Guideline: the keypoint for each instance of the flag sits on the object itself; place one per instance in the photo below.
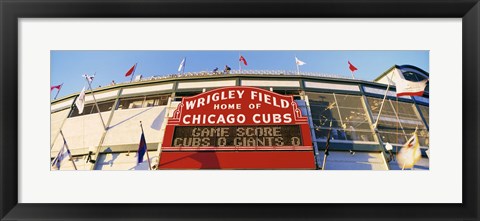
(142, 149)
(242, 59)
(62, 154)
(56, 87)
(410, 88)
(298, 62)
(410, 153)
(88, 77)
(80, 102)
(182, 65)
(351, 67)
(132, 69)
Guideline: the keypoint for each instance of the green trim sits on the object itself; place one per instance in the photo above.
(319, 90)
(133, 148)
(350, 146)
(385, 73)
(151, 93)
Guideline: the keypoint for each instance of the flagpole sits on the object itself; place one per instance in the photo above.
(381, 107)
(296, 63)
(326, 147)
(239, 63)
(148, 157)
(353, 75)
(58, 91)
(383, 101)
(184, 64)
(324, 160)
(134, 69)
(68, 149)
(95, 100)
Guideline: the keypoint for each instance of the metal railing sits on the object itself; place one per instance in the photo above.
(242, 72)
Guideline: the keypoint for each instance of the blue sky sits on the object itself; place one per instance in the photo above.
(67, 67)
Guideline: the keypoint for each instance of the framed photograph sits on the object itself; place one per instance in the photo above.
(239, 110)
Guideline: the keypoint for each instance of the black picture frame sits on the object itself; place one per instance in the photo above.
(11, 11)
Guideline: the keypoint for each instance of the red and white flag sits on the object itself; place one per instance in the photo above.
(132, 69)
(242, 59)
(58, 87)
(410, 88)
(351, 67)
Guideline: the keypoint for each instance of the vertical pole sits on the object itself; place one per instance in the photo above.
(353, 75)
(239, 63)
(146, 151)
(68, 149)
(366, 106)
(58, 91)
(312, 130)
(95, 100)
(338, 109)
(381, 107)
(326, 147)
(184, 64)
(383, 101)
(100, 143)
(324, 161)
(296, 63)
(398, 120)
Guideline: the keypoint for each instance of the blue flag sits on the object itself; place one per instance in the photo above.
(62, 154)
(142, 149)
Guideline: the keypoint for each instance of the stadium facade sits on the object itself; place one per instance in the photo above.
(327, 104)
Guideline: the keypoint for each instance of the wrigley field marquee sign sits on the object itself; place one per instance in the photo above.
(247, 120)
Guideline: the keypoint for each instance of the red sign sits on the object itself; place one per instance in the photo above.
(245, 119)
(237, 106)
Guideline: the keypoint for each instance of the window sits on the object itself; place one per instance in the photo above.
(103, 106)
(179, 95)
(425, 113)
(87, 109)
(398, 121)
(294, 93)
(91, 108)
(287, 92)
(346, 113)
(143, 101)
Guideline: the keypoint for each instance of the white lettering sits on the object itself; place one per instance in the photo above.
(190, 104)
(185, 121)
